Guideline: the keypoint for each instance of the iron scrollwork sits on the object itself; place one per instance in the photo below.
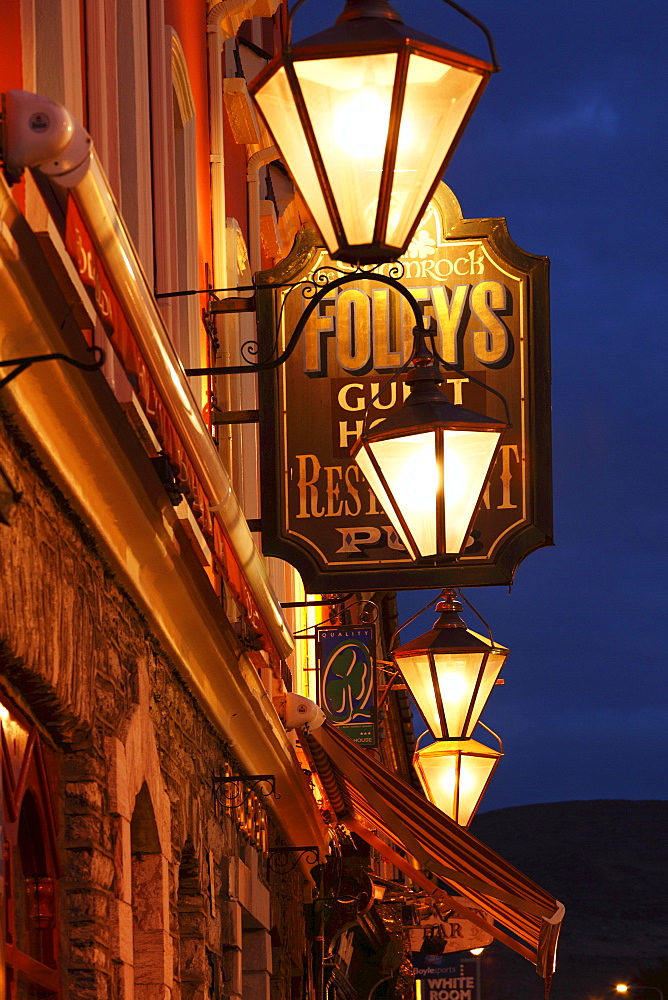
(20, 365)
(313, 290)
(283, 860)
(234, 790)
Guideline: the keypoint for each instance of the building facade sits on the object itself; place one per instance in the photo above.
(142, 642)
(167, 830)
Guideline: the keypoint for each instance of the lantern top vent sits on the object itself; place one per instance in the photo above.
(364, 22)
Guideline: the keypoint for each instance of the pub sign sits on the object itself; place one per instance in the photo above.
(434, 936)
(489, 300)
(347, 680)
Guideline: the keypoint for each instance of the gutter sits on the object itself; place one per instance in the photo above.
(64, 153)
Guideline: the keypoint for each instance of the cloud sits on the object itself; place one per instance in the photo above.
(592, 114)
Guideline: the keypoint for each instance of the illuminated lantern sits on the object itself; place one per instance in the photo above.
(450, 671)
(366, 116)
(454, 775)
(428, 463)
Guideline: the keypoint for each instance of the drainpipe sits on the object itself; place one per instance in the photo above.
(257, 160)
(217, 155)
(215, 41)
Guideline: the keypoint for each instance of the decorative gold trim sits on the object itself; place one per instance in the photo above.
(228, 15)
(181, 81)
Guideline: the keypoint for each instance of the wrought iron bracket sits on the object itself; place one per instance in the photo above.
(332, 601)
(236, 417)
(242, 786)
(280, 862)
(21, 364)
(315, 290)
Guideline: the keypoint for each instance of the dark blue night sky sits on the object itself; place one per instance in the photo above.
(570, 144)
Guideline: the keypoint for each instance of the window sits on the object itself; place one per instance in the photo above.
(31, 868)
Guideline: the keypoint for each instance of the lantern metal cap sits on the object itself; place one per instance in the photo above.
(449, 608)
(356, 9)
(427, 407)
(365, 22)
(457, 637)
(450, 747)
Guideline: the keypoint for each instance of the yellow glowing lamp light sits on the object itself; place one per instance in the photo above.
(428, 463)
(454, 775)
(367, 115)
(450, 671)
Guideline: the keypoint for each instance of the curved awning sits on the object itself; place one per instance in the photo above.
(376, 804)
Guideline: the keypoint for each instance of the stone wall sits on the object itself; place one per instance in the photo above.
(162, 892)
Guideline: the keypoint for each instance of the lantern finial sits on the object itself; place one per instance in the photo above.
(368, 8)
(449, 608)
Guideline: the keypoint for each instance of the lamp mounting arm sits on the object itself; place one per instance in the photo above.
(476, 612)
(314, 298)
(432, 600)
(492, 733)
(19, 365)
(425, 360)
(321, 285)
(485, 30)
(472, 378)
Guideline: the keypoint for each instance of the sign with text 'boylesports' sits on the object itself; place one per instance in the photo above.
(489, 300)
(447, 977)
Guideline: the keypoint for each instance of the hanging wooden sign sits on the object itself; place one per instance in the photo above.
(438, 937)
(489, 300)
(347, 679)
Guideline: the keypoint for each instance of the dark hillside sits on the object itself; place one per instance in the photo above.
(607, 861)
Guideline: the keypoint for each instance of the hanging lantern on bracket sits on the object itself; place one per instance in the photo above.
(450, 671)
(366, 115)
(455, 774)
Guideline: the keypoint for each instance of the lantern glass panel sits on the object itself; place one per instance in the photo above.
(349, 102)
(457, 674)
(454, 775)
(412, 474)
(277, 104)
(467, 456)
(417, 674)
(439, 780)
(495, 659)
(368, 469)
(437, 98)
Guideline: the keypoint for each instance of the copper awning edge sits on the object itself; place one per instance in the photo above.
(426, 883)
(548, 939)
(543, 955)
(416, 849)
